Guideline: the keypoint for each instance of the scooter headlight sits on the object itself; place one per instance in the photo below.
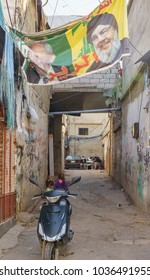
(53, 199)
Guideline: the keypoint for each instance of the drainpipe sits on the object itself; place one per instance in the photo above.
(107, 110)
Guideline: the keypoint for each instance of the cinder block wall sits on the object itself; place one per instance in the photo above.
(100, 81)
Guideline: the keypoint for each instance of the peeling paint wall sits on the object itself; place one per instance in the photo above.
(116, 145)
(105, 147)
(87, 145)
(32, 147)
(58, 142)
(136, 152)
(136, 109)
(133, 168)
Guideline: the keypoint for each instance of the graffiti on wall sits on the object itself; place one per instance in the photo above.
(147, 158)
(30, 156)
(140, 186)
(143, 149)
(137, 168)
(129, 161)
(19, 154)
(143, 152)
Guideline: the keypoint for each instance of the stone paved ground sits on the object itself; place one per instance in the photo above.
(106, 225)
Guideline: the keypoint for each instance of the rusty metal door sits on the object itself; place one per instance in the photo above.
(7, 172)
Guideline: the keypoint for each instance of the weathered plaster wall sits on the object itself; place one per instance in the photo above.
(105, 147)
(23, 15)
(58, 137)
(31, 146)
(135, 154)
(31, 139)
(130, 157)
(78, 144)
(116, 145)
(116, 155)
(139, 26)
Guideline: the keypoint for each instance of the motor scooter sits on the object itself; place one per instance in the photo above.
(53, 227)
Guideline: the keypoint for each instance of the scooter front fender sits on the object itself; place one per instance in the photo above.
(53, 222)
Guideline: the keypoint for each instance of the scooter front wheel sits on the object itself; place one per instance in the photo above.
(49, 251)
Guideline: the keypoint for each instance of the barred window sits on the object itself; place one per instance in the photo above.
(83, 131)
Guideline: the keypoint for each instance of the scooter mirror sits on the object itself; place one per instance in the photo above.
(75, 180)
(33, 180)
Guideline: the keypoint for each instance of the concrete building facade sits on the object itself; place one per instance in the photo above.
(131, 139)
(124, 144)
(23, 149)
(85, 134)
(96, 91)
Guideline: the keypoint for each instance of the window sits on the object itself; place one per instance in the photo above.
(83, 131)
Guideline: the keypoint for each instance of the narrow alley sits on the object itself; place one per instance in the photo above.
(75, 89)
(105, 222)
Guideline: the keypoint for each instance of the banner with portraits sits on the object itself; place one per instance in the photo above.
(93, 43)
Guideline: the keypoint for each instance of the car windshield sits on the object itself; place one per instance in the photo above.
(74, 158)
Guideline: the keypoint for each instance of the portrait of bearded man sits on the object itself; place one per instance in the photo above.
(102, 33)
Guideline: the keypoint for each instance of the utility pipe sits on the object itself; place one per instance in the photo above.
(85, 111)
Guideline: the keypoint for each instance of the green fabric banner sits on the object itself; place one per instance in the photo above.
(88, 45)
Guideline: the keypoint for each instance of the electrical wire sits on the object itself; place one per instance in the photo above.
(24, 20)
(82, 7)
(60, 18)
(45, 3)
(70, 96)
(54, 11)
(80, 142)
(9, 14)
(96, 127)
(74, 137)
(68, 7)
(135, 48)
(15, 12)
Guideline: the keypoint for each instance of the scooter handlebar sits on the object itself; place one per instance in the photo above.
(35, 197)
